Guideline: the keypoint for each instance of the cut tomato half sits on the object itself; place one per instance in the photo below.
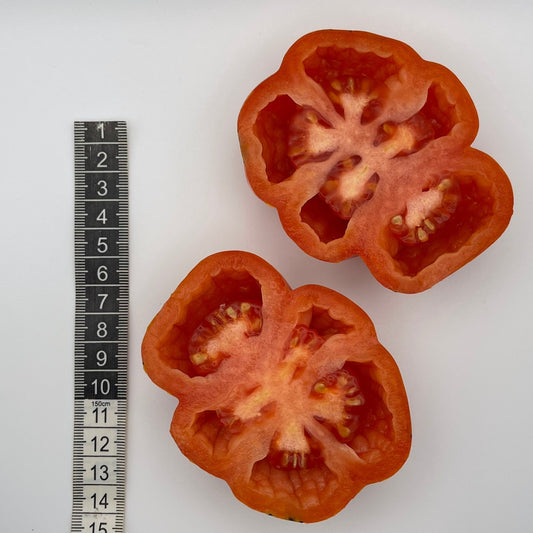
(285, 394)
(352, 140)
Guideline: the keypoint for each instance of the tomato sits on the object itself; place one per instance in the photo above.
(285, 394)
(364, 149)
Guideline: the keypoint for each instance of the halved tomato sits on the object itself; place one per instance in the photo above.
(364, 149)
(285, 394)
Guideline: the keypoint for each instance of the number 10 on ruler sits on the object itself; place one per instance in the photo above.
(101, 260)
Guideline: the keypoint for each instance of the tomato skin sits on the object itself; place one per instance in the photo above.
(298, 416)
(372, 103)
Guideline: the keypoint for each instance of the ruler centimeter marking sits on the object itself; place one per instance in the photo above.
(101, 326)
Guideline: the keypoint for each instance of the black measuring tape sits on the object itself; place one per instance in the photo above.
(101, 326)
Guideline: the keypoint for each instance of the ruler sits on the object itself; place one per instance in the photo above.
(101, 326)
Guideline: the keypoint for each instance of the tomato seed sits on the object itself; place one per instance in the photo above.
(199, 358)
(320, 388)
(343, 431)
(336, 84)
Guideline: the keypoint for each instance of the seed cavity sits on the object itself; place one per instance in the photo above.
(426, 213)
(309, 138)
(339, 398)
(301, 453)
(293, 460)
(304, 337)
(211, 342)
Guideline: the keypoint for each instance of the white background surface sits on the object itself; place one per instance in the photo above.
(178, 73)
